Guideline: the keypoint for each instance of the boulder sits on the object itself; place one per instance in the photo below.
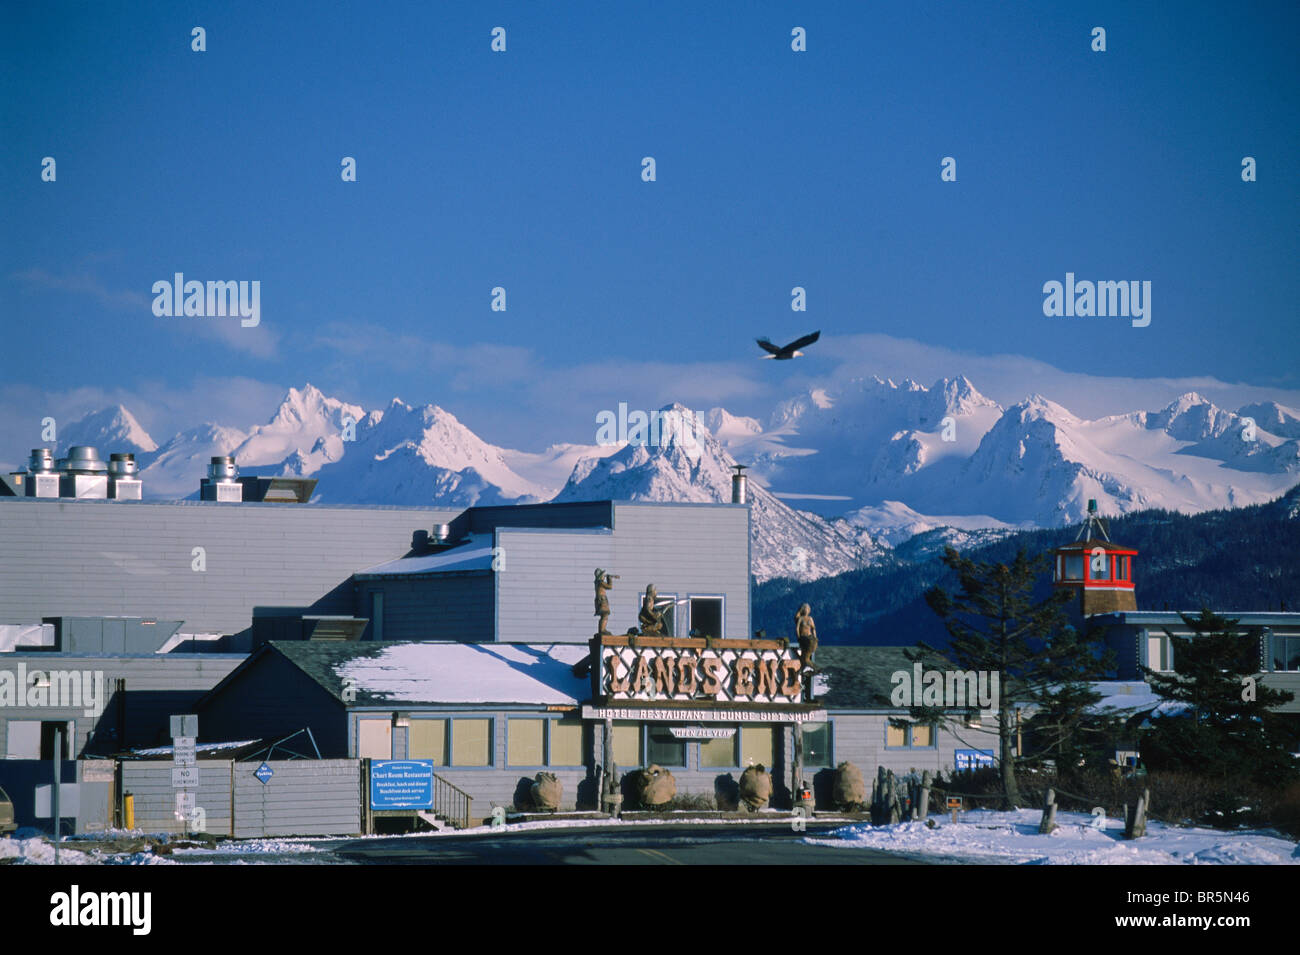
(756, 788)
(850, 792)
(655, 786)
(547, 791)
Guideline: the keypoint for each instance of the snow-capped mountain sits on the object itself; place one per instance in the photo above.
(112, 427)
(175, 470)
(883, 464)
(1042, 464)
(689, 464)
(869, 440)
(304, 435)
(948, 450)
(420, 455)
(893, 522)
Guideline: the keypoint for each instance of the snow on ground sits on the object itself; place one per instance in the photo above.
(28, 847)
(986, 836)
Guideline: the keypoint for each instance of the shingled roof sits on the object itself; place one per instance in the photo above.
(860, 678)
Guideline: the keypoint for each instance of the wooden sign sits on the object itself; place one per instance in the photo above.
(724, 671)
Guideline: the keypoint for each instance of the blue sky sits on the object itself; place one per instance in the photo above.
(523, 170)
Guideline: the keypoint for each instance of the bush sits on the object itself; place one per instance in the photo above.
(693, 802)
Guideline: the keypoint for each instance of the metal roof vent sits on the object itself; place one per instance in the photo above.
(739, 485)
(222, 483)
(82, 459)
(82, 474)
(122, 465)
(41, 461)
(40, 480)
(223, 469)
(124, 482)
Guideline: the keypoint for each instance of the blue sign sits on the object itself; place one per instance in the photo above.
(401, 784)
(264, 773)
(974, 759)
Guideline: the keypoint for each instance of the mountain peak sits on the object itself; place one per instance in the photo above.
(110, 429)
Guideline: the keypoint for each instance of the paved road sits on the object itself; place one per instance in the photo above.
(660, 845)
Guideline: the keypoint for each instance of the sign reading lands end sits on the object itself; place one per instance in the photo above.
(401, 783)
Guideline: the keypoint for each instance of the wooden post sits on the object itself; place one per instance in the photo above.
(923, 808)
(58, 785)
(1135, 819)
(796, 785)
(610, 795)
(895, 812)
(1049, 813)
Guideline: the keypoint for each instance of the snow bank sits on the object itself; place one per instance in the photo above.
(1012, 837)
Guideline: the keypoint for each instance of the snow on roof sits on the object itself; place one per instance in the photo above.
(474, 554)
(1130, 697)
(469, 673)
(200, 748)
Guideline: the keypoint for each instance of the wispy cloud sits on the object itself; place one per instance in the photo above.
(82, 282)
(261, 341)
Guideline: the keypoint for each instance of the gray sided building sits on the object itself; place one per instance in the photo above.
(510, 574)
(491, 717)
(1141, 639)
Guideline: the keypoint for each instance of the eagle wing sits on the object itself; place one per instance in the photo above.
(801, 342)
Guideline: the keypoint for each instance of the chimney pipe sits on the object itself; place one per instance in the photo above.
(739, 485)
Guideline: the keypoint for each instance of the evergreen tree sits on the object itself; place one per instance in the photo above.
(1228, 728)
(994, 624)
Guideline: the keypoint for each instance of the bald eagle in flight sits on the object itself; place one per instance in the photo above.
(786, 352)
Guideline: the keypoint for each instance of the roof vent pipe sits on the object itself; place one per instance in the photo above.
(223, 469)
(41, 461)
(739, 485)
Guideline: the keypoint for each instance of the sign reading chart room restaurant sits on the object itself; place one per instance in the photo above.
(730, 671)
(401, 783)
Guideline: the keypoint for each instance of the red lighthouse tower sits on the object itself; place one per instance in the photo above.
(1100, 570)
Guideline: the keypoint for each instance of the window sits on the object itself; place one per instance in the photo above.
(1159, 654)
(568, 743)
(757, 745)
(526, 742)
(816, 744)
(471, 742)
(1122, 568)
(666, 604)
(627, 744)
(34, 739)
(706, 616)
(1099, 567)
(375, 739)
(1074, 567)
(428, 740)
(1286, 652)
(909, 736)
(377, 615)
(718, 753)
(663, 748)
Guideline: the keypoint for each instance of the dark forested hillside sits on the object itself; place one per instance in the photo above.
(1245, 559)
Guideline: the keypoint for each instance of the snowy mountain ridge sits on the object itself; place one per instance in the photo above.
(877, 463)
